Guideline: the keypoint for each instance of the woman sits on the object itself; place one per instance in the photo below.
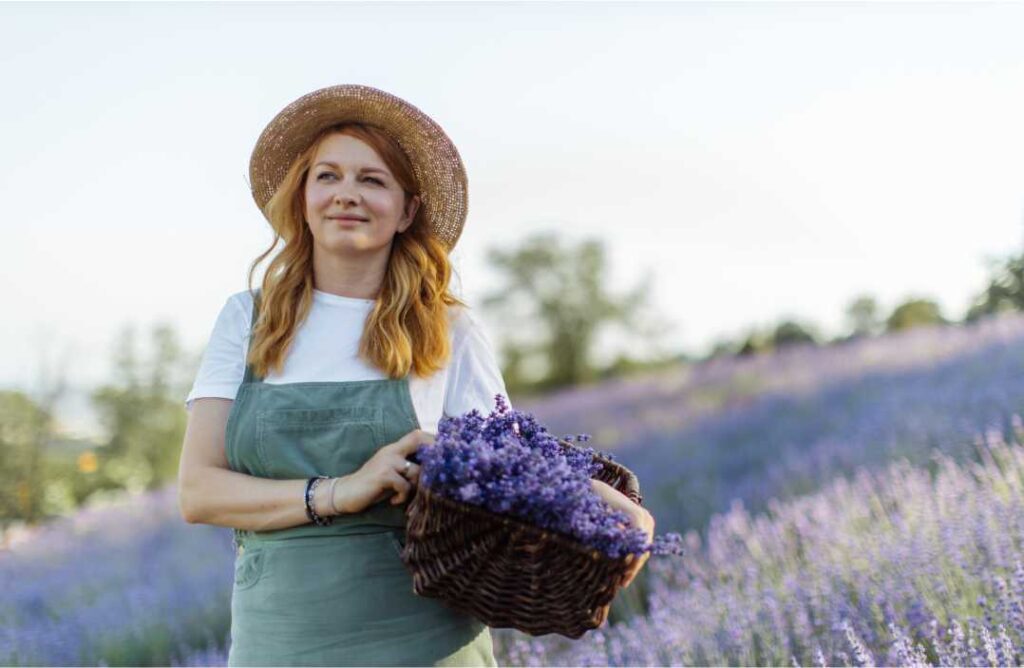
(315, 389)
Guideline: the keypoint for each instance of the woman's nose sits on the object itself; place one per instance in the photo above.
(345, 193)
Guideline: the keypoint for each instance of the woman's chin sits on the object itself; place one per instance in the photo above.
(347, 244)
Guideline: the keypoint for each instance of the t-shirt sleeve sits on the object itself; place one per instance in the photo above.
(474, 377)
(223, 363)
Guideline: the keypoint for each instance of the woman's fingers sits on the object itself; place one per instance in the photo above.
(630, 574)
(401, 487)
(635, 564)
(643, 520)
(412, 474)
(412, 441)
(627, 577)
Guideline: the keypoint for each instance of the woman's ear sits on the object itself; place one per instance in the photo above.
(411, 208)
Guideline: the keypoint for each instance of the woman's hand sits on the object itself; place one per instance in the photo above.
(381, 475)
(638, 517)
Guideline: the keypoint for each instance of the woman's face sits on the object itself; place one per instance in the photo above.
(348, 178)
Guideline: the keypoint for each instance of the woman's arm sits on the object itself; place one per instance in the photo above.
(209, 492)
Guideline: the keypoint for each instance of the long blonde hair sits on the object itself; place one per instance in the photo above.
(407, 330)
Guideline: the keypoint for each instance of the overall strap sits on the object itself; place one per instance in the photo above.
(251, 377)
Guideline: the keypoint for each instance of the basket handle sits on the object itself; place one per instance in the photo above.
(631, 486)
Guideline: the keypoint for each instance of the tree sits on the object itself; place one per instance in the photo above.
(1005, 291)
(754, 343)
(862, 316)
(24, 427)
(789, 332)
(562, 291)
(142, 411)
(914, 312)
(757, 340)
(27, 430)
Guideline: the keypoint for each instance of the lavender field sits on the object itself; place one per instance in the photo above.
(777, 426)
(847, 506)
(900, 568)
(128, 583)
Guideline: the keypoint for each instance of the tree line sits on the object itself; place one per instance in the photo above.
(554, 300)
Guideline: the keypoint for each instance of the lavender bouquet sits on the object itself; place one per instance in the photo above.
(509, 464)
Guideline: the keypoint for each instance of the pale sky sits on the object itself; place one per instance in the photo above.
(764, 160)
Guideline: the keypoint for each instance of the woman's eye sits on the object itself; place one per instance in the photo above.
(369, 178)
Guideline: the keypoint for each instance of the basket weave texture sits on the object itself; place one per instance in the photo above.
(508, 573)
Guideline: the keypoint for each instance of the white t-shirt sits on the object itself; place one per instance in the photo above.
(326, 347)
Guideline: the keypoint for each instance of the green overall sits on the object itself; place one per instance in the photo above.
(335, 595)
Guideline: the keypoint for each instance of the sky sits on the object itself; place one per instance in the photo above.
(762, 160)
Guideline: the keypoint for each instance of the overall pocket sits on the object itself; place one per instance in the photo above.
(300, 443)
(248, 568)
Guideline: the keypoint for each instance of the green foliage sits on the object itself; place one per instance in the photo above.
(915, 312)
(1005, 291)
(756, 342)
(44, 473)
(24, 427)
(789, 332)
(142, 412)
(862, 316)
(561, 293)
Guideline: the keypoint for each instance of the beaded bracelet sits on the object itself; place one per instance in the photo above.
(305, 496)
(310, 511)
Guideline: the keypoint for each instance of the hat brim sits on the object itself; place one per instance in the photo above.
(435, 160)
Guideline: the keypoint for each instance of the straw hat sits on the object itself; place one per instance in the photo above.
(435, 161)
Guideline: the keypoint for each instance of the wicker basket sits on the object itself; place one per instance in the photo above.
(508, 573)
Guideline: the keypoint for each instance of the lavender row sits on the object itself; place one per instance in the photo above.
(776, 426)
(126, 583)
(892, 568)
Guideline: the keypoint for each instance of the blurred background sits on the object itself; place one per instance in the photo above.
(768, 254)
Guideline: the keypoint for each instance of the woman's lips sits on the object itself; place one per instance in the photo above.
(347, 222)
